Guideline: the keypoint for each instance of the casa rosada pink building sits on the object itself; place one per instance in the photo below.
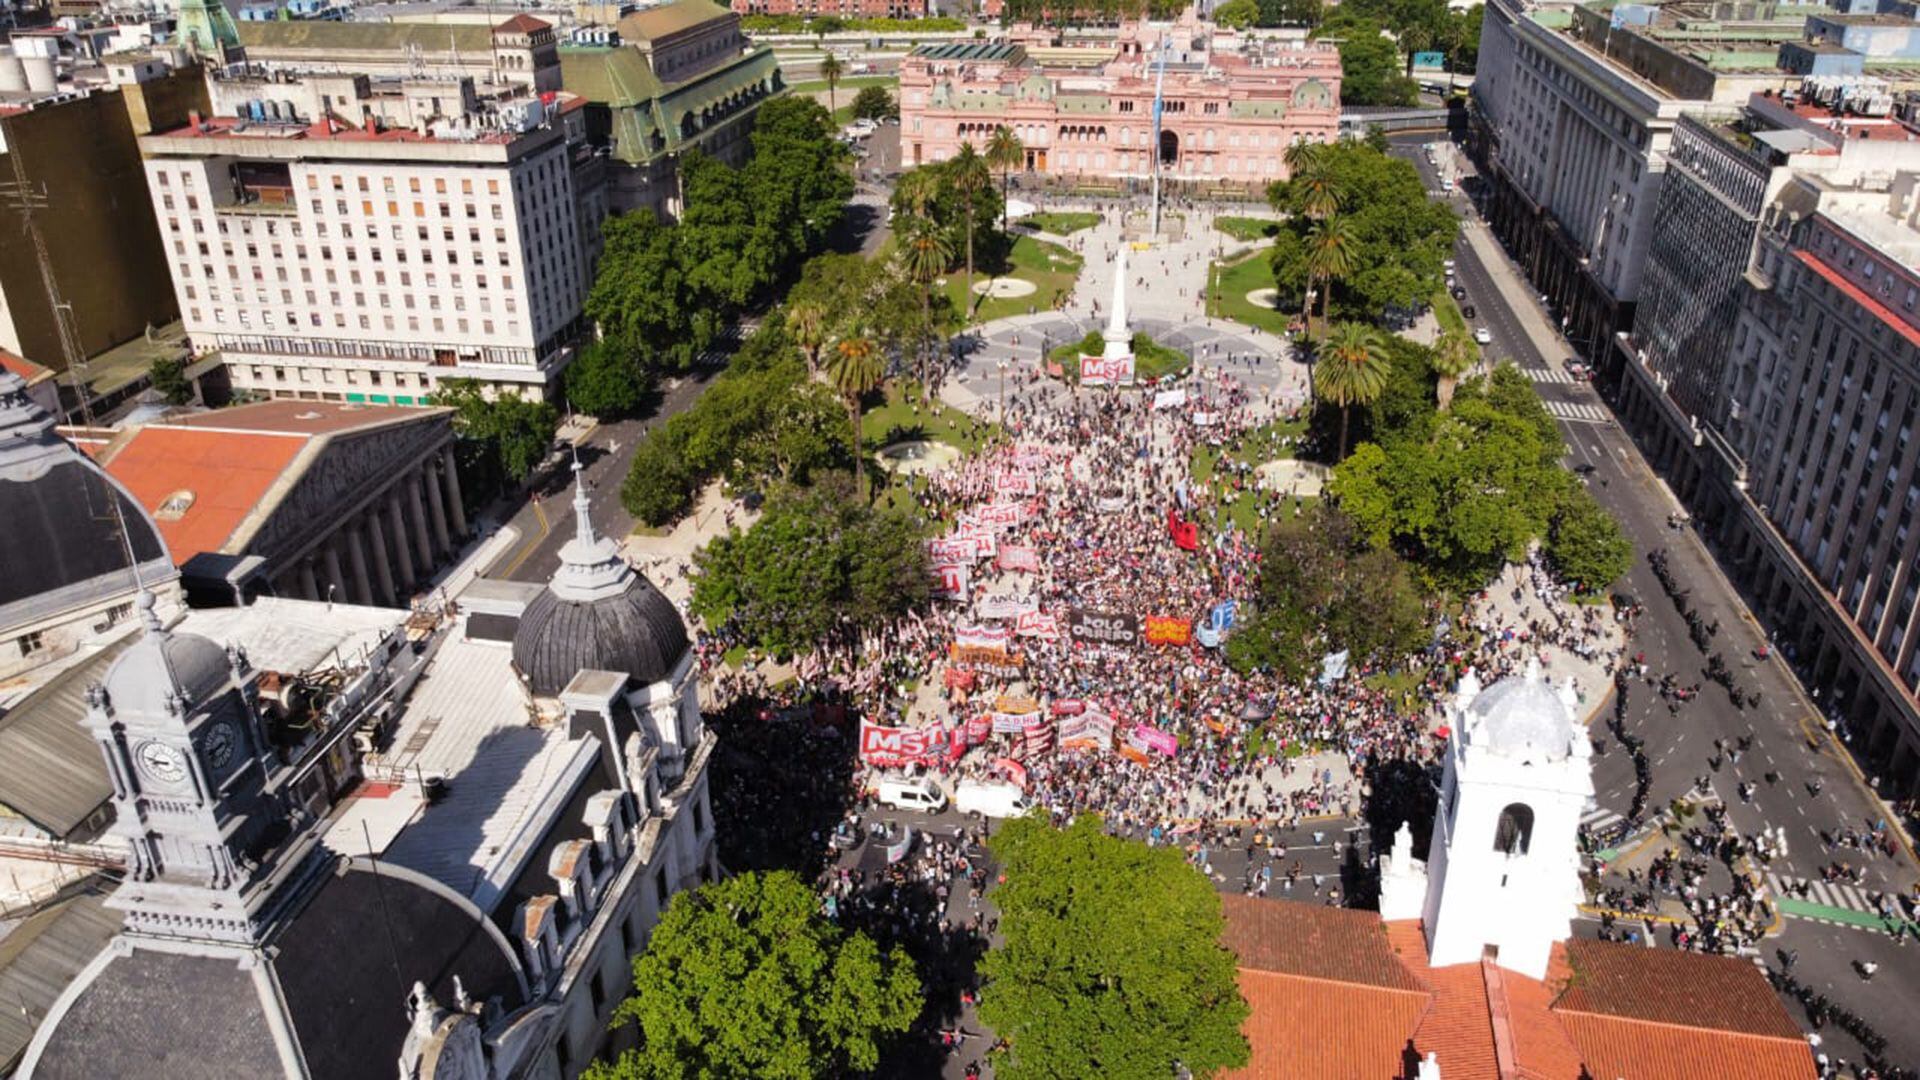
(1233, 103)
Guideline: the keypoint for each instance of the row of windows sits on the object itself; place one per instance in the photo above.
(243, 319)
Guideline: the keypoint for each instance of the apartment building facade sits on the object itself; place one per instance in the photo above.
(342, 238)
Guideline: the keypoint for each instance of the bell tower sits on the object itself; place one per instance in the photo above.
(194, 786)
(1503, 867)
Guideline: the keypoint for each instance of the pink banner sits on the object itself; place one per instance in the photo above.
(1002, 515)
(982, 637)
(1036, 625)
(952, 549)
(1013, 482)
(1152, 738)
(1021, 558)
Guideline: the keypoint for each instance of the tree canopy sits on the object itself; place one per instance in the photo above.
(1111, 963)
(1398, 239)
(505, 437)
(1370, 64)
(665, 290)
(940, 193)
(818, 564)
(606, 381)
(874, 103)
(743, 978)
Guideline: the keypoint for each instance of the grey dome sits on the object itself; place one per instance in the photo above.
(596, 613)
(1522, 714)
(636, 631)
(62, 548)
(159, 664)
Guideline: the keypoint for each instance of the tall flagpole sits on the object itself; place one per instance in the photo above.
(1159, 85)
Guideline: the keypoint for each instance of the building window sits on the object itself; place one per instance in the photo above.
(36, 641)
(1515, 831)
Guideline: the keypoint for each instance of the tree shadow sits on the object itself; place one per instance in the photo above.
(782, 779)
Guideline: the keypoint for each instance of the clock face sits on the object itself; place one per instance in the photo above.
(219, 745)
(161, 763)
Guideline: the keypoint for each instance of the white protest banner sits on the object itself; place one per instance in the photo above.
(982, 637)
(1204, 418)
(1013, 482)
(1100, 371)
(950, 581)
(1004, 606)
(1002, 515)
(1170, 399)
(1021, 558)
(985, 543)
(1088, 731)
(1034, 624)
(952, 549)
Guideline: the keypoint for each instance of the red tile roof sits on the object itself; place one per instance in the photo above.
(522, 23)
(23, 367)
(1326, 1003)
(287, 416)
(1859, 296)
(227, 473)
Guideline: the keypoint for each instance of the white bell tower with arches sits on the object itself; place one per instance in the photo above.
(1503, 868)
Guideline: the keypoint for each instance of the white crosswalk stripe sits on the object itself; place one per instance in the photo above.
(1831, 894)
(1547, 375)
(1578, 410)
(1596, 820)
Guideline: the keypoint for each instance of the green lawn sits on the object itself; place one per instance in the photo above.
(1256, 448)
(1151, 360)
(1246, 228)
(1064, 223)
(1448, 312)
(851, 83)
(895, 419)
(1233, 281)
(1051, 267)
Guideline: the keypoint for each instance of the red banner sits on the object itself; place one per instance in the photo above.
(1163, 630)
(950, 581)
(894, 746)
(1186, 534)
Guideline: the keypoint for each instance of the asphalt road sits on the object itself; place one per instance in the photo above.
(1787, 736)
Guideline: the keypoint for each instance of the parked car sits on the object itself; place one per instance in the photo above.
(1467, 311)
(1459, 292)
(1483, 335)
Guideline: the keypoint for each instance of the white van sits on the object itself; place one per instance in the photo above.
(911, 793)
(992, 800)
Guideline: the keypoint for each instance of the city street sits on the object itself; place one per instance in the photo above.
(1789, 740)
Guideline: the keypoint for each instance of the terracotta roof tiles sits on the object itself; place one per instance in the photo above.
(1671, 987)
(1314, 941)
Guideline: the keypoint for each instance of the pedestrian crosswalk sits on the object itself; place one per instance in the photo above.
(1548, 375)
(1578, 411)
(1829, 894)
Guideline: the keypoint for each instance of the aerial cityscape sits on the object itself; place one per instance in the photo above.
(958, 539)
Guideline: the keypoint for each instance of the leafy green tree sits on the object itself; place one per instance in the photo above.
(1350, 368)
(874, 103)
(1586, 545)
(1400, 237)
(517, 432)
(1111, 964)
(1369, 63)
(820, 563)
(1237, 14)
(605, 381)
(642, 300)
(744, 978)
(1290, 12)
(661, 482)
(938, 193)
(855, 372)
(169, 378)
(1006, 153)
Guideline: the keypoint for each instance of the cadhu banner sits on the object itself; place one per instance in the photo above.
(1103, 627)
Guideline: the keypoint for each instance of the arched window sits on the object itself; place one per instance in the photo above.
(1515, 831)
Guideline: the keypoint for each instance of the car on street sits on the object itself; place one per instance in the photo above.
(994, 800)
(1468, 311)
(911, 793)
(1483, 335)
(1459, 292)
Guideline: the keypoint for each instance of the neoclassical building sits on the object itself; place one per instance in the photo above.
(1232, 103)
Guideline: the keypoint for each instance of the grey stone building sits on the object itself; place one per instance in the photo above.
(470, 910)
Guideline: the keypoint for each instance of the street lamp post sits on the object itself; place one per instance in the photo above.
(1002, 366)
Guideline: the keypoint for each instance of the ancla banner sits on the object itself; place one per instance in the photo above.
(1004, 606)
(895, 746)
(1103, 627)
(1020, 558)
(1164, 630)
(1035, 625)
(1100, 371)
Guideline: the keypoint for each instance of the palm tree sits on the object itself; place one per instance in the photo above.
(1330, 254)
(969, 177)
(1350, 368)
(1298, 155)
(1454, 355)
(807, 322)
(831, 70)
(855, 372)
(1004, 152)
(925, 255)
(918, 190)
(1320, 193)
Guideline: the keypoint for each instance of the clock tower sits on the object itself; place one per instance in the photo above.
(195, 787)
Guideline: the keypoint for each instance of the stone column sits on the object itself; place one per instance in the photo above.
(309, 588)
(382, 568)
(436, 508)
(424, 544)
(330, 558)
(450, 480)
(357, 558)
(397, 532)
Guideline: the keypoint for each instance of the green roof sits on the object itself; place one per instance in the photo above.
(969, 50)
(614, 76)
(659, 22)
(647, 114)
(432, 39)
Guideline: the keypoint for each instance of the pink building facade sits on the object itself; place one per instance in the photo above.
(1232, 104)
